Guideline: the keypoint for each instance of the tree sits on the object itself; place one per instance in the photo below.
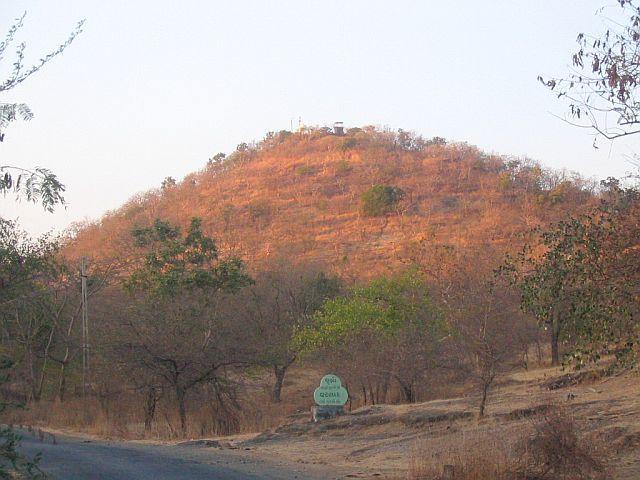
(484, 318)
(26, 265)
(217, 159)
(282, 301)
(380, 200)
(13, 464)
(168, 182)
(581, 278)
(602, 89)
(386, 330)
(27, 268)
(172, 329)
(36, 184)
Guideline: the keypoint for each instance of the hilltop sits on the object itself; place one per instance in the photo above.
(302, 193)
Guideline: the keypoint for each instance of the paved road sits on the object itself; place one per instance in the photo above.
(78, 459)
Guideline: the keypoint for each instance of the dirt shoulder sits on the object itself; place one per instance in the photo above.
(378, 441)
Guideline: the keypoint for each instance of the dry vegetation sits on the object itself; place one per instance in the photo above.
(300, 194)
(373, 255)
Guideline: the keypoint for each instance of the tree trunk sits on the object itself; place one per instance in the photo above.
(385, 388)
(150, 408)
(182, 409)
(33, 384)
(555, 333)
(408, 395)
(43, 369)
(62, 384)
(483, 400)
(277, 387)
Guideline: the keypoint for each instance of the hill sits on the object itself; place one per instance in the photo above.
(301, 194)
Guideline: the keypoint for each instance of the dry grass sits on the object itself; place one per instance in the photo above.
(470, 458)
(122, 416)
(550, 448)
(453, 197)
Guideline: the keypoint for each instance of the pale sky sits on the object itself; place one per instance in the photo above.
(154, 88)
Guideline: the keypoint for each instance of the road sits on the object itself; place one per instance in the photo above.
(80, 459)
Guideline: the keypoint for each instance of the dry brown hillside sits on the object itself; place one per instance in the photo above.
(300, 194)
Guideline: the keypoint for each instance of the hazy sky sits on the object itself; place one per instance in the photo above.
(154, 88)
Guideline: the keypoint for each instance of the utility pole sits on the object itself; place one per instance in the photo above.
(85, 327)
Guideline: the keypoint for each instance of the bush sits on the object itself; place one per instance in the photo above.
(305, 170)
(348, 144)
(557, 451)
(450, 203)
(259, 209)
(380, 200)
(553, 450)
(343, 167)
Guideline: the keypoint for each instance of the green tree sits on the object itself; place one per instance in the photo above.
(581, 278)
(380, 200)
(26, 268)
(390, 326)
(172, 329)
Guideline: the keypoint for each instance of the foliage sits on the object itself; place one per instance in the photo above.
(305, 170)
(259, 209)
(168, 182)
(13, 464)
(409, 141)
(383, 307)
(173, 336)
(343, 167)
(283, 300)
(557, 450)
(605, 79)
(13, 111)
(23, 261)
(37, 184)
(174, 262)
(217, 159)
(380, 200)
(583, 277)
(388, 329)
(436, 141)
(348, 144)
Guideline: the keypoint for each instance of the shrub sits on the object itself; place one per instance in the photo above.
(343, 167)
(450, 203)
(380, 200)
(258, 209)
(436, 141)
(227, 213)
(557, 451)
(348, 144)
(505, 182)
(551, 450)
(304, 170)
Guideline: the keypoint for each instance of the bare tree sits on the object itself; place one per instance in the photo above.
(602, 86)
(486, 321)
(283, 300)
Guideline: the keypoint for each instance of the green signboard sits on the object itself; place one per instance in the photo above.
(330, 392)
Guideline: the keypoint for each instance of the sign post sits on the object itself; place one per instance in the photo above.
(330, 398)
